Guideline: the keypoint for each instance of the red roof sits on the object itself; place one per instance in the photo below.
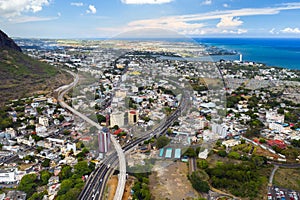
(278, 143)
(118, 131)
(133, 112)
(86, 138)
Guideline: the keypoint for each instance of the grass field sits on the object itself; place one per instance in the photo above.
(287, 178)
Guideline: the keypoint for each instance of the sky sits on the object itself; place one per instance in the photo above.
(109, 18)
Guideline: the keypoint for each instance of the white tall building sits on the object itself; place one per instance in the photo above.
(241, 57)
(117, 118)
(220, 129)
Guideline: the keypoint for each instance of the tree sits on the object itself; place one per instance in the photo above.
(202, 164)
(45, 175)
(115, 127)
(198, 184)
(61, 118)
(65, 186)
(81, 168)
(176, 123)
(234, 155)
(46, 163)
(222, 153)
(66, 172)
(38, 196)
(101, 118)
(162, 141)
(28, 184)
(190, 152)
(296, 143)
(66, 132)
(262, 140)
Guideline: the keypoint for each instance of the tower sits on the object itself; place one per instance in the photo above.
(133, 117)
(104, 141)
(241, 57)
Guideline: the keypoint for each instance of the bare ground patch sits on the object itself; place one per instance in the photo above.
(169, 181)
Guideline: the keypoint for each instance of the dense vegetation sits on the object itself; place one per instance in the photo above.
(140, 188)
(142, 172)
(162, 141)
(243, 180)
(197, 182)
(71, 182)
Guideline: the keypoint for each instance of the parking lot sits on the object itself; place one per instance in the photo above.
(277, 193)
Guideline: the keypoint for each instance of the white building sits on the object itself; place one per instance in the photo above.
(11, 131)
(22, 140)
(40, 129)
(117, 118)
(203, 154)
(44, 121)
(276, 126)
(220, 130)
(231, 143)
(8, 175)
(272, 116)
(71, 146)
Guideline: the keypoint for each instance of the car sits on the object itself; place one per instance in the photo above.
(269, 196)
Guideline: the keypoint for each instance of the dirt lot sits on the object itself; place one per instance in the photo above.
(169, 181)
(112, 186)
(287, 178)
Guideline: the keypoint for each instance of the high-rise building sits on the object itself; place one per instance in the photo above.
(133, 117)
(104, 141)
(241, 57)
(117, 118)
(220, 130)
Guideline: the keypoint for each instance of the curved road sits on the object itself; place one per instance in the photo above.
(122, 163)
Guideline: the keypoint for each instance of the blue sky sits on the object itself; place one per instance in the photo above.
(107, 18)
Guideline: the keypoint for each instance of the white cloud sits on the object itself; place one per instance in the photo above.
(272, 31)
(195, 23)
(13, 8)
(229, 21)
(225, 5)
(59, 14)
(207, 2)
(92, 9)
(238, 31)
(78, 4)
(146, 1)
(26, 19)
(291, 30)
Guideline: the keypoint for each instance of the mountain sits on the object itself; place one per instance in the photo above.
(7, 42)
(21, 75)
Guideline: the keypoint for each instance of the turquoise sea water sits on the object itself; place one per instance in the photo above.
(280, 52)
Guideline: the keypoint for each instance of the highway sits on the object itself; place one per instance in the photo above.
(161, 129)
(119, 152)
(96, 183)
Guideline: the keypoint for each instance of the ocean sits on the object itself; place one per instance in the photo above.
(279, 52)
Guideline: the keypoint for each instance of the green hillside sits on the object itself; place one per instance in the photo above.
(21, 75)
